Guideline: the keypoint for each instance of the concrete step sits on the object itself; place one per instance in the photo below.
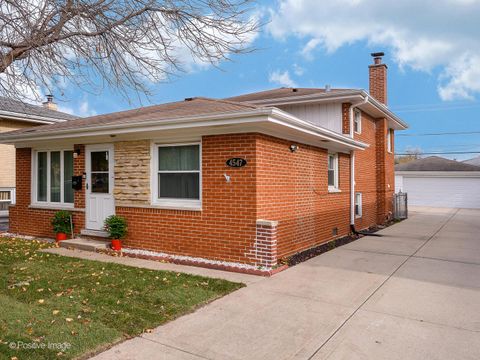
(94, 233)
(85, 244)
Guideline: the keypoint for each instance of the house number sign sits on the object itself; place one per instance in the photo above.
(236, 162)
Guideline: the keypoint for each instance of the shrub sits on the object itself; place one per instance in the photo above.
(62, 222)
(116, 226)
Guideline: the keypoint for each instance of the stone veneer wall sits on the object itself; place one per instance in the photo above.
(132, 173)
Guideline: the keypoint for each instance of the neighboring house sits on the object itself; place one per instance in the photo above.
(439, 182)
(18, 115)
(316, 162)
(474, 161)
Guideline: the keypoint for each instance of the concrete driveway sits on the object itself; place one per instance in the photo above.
(412, 294)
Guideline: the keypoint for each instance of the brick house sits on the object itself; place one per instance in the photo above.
(16, 115)
(315, 163)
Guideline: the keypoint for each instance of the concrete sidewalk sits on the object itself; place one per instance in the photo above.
(412, 294)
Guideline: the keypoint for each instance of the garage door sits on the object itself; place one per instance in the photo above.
(443, 192)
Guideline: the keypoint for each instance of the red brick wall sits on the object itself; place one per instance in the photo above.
(293, 190)
(378, 82)
(385, 172)
(276, 185)
(31, 221)
(78, 170)
(346, 118)
(365, 173)
(226, 227)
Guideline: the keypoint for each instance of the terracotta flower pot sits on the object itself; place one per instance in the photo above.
(116, 244)
(60, 236)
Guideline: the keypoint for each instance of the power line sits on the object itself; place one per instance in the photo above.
(442, 133)
(441, 153)
(437, 109)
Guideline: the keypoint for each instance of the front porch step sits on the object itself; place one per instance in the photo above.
(94, 233)
(84, 244)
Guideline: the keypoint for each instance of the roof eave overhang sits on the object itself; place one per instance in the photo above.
(265, 116)
(44, 120)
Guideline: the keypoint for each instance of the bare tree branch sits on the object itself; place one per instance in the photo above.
(123, 44)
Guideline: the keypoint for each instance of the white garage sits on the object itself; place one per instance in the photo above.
(439, 182)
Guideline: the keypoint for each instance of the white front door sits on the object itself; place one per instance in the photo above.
(100, 202)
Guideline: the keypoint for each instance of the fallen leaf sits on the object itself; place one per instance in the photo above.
(41, 301)
(55, 312)
(68, 319)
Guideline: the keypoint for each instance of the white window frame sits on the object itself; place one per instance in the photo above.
(34, 181)
(358, 205)
(172, 203)
(10, 201)
(357, 119)
(389, 140)
(333, 188)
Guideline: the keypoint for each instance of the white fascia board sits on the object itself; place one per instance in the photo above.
(346, 95)
(28, 118)
(224, 119)
(439, 174)
(147, 125)
(402, 125)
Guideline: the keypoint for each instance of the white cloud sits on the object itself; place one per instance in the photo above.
(83, 110)
(282, 78)
(298, 70)
(422, 35)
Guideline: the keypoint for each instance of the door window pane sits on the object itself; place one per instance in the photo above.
(173, 158)
(42, 176)
(55, 176)
(179, 185)
(100, 183)
(99, 160)
(67, 176)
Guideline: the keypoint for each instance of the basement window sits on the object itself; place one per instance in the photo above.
(358, 205)
(52, 177)
(177, 178)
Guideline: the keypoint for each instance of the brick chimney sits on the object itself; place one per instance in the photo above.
(49, 104)
(378, 78)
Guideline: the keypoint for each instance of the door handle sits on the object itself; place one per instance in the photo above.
(86, 186)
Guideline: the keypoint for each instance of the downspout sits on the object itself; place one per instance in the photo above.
(352, 167)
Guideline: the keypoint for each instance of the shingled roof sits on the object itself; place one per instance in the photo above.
(435, 163)
(189, 107)
(284, 92)
(21, 108)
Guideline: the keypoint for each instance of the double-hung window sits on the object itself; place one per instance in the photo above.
(52, 177)
(177, 179)
(332, 172)
(357, 121)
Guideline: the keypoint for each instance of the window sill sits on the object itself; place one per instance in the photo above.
(54, 207)
(358, 216)
(334, 190)
(190, 206)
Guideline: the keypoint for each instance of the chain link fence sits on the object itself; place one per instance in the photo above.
(400, 206)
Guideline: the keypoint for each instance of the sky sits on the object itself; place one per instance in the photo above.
(432, 50)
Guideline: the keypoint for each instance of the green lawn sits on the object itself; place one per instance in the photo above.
(51, 301)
